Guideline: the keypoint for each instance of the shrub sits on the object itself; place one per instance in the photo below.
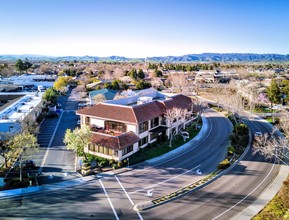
(231, 149)
(114, 166)
(224, 164)
(120, 164)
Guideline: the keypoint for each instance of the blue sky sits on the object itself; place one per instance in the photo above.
(135, 28)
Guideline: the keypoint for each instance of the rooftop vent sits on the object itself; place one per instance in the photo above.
(144, 99)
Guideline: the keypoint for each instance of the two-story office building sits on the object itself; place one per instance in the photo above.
(121, 127)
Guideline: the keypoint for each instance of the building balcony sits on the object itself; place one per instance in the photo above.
(106, 131)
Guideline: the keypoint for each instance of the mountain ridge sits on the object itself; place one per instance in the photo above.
(203, 57)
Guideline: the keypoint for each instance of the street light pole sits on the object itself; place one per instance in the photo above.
(20, 161)
(128, 162)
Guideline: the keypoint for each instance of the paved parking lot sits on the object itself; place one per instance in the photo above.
(57, 162)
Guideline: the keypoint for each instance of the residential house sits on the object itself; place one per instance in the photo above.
(121, 127)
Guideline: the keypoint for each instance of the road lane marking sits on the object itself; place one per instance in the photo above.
(49, 145)
(151, 186)
(111, 205)
(139, 215)
(248, 194)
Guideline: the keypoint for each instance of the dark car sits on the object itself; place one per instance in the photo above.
(52, 115)
(29, 164)
(26, 164)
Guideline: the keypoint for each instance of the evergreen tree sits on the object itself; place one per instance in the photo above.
(273, 92)
(140, 74)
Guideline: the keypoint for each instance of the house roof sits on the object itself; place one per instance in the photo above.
(147, 111)
(177, 101)
(110, 112)
(109, 94)
(137, 113)
(115, 142)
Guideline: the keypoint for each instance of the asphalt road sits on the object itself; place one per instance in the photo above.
(113, 196)
(227, 196)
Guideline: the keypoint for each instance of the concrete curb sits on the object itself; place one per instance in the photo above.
(48, 187)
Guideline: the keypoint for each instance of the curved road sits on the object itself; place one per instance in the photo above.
(228, 195)
(112, 196)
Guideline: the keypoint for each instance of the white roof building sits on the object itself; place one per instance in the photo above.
(13, 111)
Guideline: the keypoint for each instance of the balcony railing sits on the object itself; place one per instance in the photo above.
(106, 131)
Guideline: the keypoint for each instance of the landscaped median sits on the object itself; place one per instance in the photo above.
(233, 158)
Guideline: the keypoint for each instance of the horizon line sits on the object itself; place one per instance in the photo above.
(55, 56)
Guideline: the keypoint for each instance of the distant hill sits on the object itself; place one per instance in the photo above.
(223, 57)
(204, 57)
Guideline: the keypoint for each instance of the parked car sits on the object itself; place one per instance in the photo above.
(29, 164)
(52, 114)
(78, 122)
(26, 164)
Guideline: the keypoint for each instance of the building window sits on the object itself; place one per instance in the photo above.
(127, 150)
(143, 127)
(101, 149)
(153, 136)
(87, 120)
(116, 126)
(154, 122)
(143, 141)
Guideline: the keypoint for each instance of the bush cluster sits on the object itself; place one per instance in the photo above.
(224, 164)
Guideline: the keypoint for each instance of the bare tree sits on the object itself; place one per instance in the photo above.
(201, 107)
(108, 75)
(253, 98)
(175, 119)
(271, 146)
(29, 124)
(118, 73)
(284, 122)
(178, 81)
(234, 104)
(98, 98)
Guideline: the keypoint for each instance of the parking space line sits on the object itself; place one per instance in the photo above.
(49, 145)
(110, 203)
(139, 215)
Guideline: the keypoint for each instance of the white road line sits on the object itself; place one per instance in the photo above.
(246, 195)
(49, 145)
(165, 180)
(111, 205)
(139, 215)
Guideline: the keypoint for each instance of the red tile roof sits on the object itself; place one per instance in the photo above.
(178, 101)
(138, 113)
(115, 142)
(110, 112)
(147, 111)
